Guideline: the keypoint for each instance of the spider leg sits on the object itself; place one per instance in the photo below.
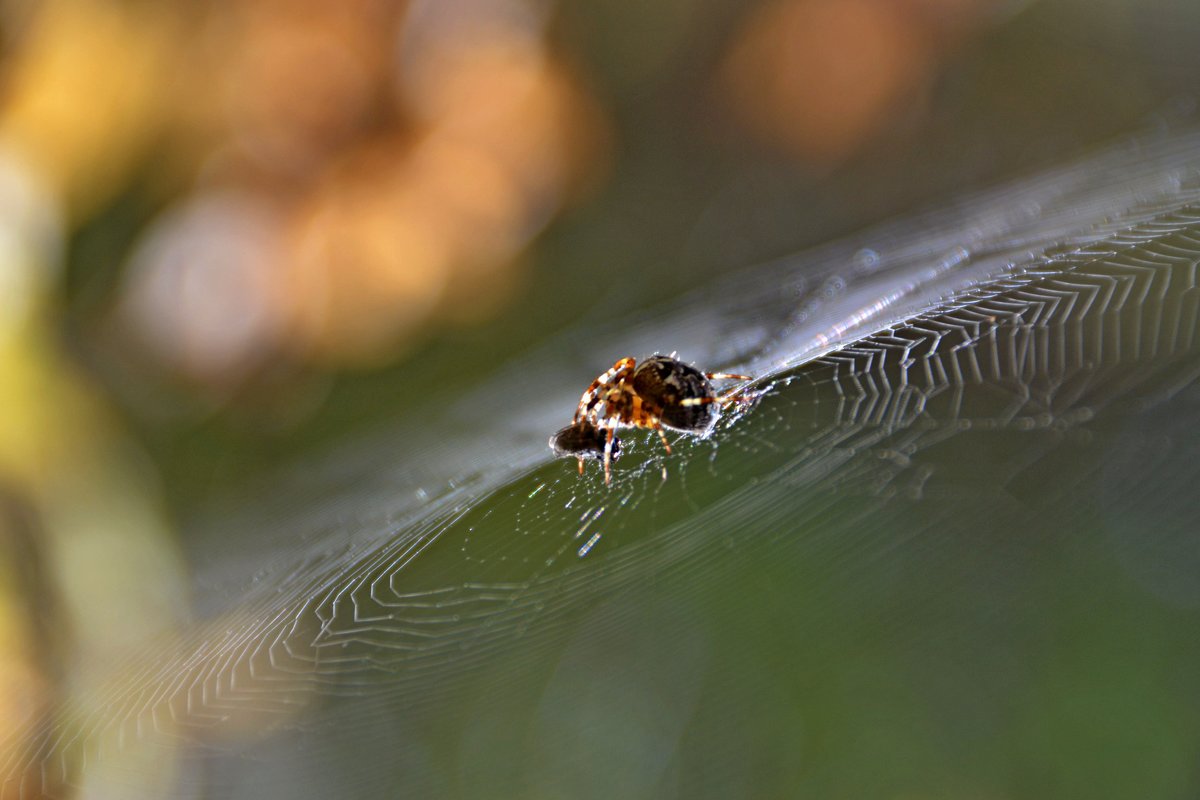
(591, 396)
(581, 465)
(726, 376)
(587, 401)
(740, 396)
(608, 445)
(725, 400)
(663, 437)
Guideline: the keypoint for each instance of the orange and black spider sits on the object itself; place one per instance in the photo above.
(661, 392)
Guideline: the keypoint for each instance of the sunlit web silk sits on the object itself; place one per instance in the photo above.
(1045, 347)
(371, 587)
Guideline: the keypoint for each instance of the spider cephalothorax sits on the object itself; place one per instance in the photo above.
(660, 393)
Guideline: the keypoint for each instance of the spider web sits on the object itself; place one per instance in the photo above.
(446, 611)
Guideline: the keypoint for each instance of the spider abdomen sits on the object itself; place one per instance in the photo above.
(664, 383)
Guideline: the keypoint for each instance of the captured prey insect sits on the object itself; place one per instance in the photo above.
(582, 440)
(660, 393)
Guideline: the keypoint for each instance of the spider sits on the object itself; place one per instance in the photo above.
(660, 393)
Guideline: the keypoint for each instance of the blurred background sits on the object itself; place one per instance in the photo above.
(235, 233)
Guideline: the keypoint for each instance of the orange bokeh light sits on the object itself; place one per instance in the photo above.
(820, 77)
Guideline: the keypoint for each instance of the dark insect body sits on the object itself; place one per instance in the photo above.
(583, 440)
(660, 393)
